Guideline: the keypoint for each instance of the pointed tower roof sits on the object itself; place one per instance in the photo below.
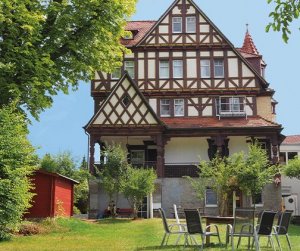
(248, 45)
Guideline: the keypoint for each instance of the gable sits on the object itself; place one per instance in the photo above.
(125, 106)
(163, 32)
(206, 37)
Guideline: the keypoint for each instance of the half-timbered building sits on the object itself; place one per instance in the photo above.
(184, 93)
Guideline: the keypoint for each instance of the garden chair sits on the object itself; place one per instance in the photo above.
(194, 227)
(282, 227)
(181, 226)
(264, 228)
(243, 226)
(169, 229)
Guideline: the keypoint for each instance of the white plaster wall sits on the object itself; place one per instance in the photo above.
(151, 68)
(191, 68)
(153, 104)
(186, 150)
(141, 72)
(295, 189)
(237, 144)
(233, 67)
(163, 29)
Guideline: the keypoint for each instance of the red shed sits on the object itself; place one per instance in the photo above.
(54, 195)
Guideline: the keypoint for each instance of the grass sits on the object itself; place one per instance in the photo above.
(110, 235)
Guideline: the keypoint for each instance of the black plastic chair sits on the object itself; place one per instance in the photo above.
(194, 227)
(282, 227)
(264, 228)
(168, 229)
(243, 226)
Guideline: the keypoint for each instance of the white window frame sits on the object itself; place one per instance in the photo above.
(233, 102)
(129, 67)
(218, 66)
(191, 26)
(177, 68)
(179, 103)
(210, 205)
(162, 104)
(116, 74)
(205, 68)
(164, 68)
(177, 21)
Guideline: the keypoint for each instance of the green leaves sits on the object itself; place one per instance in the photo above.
(292, 170)
(48, 47)
(17, 162)
(283, 15)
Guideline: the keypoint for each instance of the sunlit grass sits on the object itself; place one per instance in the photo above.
(119, 235)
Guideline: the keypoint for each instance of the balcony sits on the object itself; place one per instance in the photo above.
(231, 107)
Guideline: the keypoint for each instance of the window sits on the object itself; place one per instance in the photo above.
(137, 157)
(219, 68)
(126, 100)
(205, 68)
(128, 35)
(177, 69)
(231, 105)
(116, 74)
(129, 67)
(191, 24)
(165, 108)
(210, 197)
(178, 107)
(164, 69)
(177, 24)
(257, 199)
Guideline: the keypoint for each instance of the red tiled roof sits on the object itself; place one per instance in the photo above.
(292, 140)
(214, 122)
(142, 27)
(248, 55)
(248, 45)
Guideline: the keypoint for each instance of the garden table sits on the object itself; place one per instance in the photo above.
(216, 220)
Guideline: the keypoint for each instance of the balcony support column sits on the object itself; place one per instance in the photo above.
(92, 155)
(160, 165)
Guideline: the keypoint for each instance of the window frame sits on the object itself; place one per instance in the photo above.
(137, 151)
(161, 105)
(230, 103)
(206, 202)
(130, 67)
(177, 67)
(261, 202)
(204, 66)
(183, 113)
(216, 65)
(160, 69)
(176, 22)
(117, 70)
(187, 24)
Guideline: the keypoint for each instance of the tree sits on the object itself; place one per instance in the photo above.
(113, 170)
(17, 162)
(64, 164)
(46, 46)
(292, 170)
(137, 185)
(285, 12)
(248, 173)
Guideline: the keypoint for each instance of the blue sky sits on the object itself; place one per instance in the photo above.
(60, 128)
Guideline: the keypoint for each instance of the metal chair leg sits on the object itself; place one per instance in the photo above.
(288, 240)
(278, 242)
(163, 240)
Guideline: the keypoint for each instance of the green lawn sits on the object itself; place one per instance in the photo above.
(110, 235)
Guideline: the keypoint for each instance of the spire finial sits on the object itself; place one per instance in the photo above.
(247, 27)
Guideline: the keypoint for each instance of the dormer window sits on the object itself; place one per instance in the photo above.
(231, 107)
(177, 24)
(128, 35)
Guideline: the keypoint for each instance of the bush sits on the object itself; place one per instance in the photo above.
(17, 162)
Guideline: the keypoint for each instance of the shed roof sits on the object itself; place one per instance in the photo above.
(56, 175)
